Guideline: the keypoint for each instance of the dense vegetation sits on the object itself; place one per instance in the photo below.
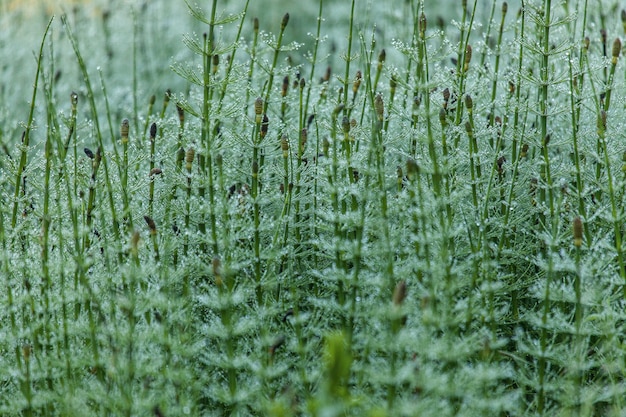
(431, 225)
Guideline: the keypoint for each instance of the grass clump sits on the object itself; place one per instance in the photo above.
(429, 225)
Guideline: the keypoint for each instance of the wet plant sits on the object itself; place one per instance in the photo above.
(414, 218)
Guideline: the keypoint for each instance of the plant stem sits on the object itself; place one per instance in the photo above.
(29, 127)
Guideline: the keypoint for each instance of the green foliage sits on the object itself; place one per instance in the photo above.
(431, 225)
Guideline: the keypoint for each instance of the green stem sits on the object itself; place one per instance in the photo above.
(29, 127)
(94, 113)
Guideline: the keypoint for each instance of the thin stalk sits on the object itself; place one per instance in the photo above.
(319, 145)
(378, 149)
(94, 113)
(393, 83)
(155, 241)
(333, 181)
(226, 82)
(368, 59)
(96, 159)
(225, 215)
(124, 130)
(599, 110)
(135, 75)
(189, 158)
(575, 108)
(152, 173)
(64, 176)
(305, 109)
(382, 57)
(253, 59)
(109, 119)
(348, 58)
(286, 190)
(26, 384)
(421, 226)
(544, 76)
(579, 373)
(543, 338)
(494, 85)
(277, 48)
(397, 322)
(544, 70)
(615, 211)
(464, 56)
(518, 129)
(474, 169)
(257, 224)
(617, 48)
(578, 241)
(65, 317)
(377, 162)
(29, 127)
(492, 13)
(204, 161)
(302, 142)
(258, 135)
(148, 116)
(52, 135)
(422, 75)
(547, 177)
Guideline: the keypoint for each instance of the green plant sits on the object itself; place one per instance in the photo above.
(425, 227)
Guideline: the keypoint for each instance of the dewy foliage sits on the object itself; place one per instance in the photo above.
(418, 216)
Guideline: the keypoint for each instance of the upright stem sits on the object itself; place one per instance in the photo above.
(544, 70)
(29, 127)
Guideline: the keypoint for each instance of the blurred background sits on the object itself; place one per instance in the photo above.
(109, 32)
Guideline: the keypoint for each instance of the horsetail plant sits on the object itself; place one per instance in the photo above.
(411, 229)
